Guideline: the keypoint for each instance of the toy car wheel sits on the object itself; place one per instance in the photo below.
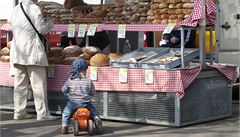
(76, 128)
(90, 127)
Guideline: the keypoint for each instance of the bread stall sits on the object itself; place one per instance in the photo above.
(187, 94)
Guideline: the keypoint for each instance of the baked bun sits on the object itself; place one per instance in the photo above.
(5, 58)
(91, 50)
(68, 60)
(55, 52)
(9, 44)
(55, 60)
(72, 51)
(5, 51)
(113, 56)
(99, 60)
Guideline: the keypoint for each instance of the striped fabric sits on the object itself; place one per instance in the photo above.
(79, 90)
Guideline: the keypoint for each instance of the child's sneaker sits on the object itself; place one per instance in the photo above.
(98, 123)
(64, 130)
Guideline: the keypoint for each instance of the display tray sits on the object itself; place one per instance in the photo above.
(131, 59)
(170, 60)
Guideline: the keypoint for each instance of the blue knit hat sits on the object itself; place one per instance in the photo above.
(78, 65)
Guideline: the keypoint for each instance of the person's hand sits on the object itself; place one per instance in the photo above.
(174, 40)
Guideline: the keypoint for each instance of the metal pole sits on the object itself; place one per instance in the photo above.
(202, 41)
(211, 46)
(217, 30)
(182, 47)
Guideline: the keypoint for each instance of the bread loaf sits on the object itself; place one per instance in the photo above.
(188, 5)
(5, 58)
(188, 1)
(163, 5)
(99, 60)
(55, 60)
(5, 51)
(72, 51)
(55, 52)
(113, 56)
(91, 50)
(69, 60)
(9, 44)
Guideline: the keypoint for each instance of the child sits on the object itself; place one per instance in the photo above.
(79, 90)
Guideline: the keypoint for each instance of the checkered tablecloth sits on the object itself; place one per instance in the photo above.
(192, 21)
(5, 78)
(108, 78)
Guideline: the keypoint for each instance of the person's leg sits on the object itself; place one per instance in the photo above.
(21, 82)
(37, 75)
(67, 113)
(95, 116)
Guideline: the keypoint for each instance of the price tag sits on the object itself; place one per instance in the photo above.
(123, 75)
(82, 30)
(93, 73)
(71, 30)
(92, 29)
(149, 76)
(50, 71)
(122, 31)
(169, 28)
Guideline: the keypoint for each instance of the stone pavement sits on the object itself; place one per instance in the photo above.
(229, 127)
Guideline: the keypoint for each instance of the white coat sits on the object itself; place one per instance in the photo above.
(27, 48)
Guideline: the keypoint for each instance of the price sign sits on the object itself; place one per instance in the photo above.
(71, 30)
(149, 76)
(169, 28)
(92, 29)
(82, 30)
(123, 75)
(93, 73)
(122, 31)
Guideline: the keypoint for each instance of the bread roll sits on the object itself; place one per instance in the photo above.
(170, 1)
(9, 44)
(85, 56)
(164, 11)
(187, 11)
(55, 52)
(171, 11)
(5, 51)
(156, 21)
(188, 1)
(164, 16)
(91, 50)
(160, 1)
(163, 5)
(179, 11)
(172, 6)
(69, 60)
(72, 51)
(99, 60)
(55, 60)
(180, 16)
(164, 21)
(179, 6)
(188, 5)
(113, 56)
(5, 58)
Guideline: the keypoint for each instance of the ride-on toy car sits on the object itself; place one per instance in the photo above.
(82, 121)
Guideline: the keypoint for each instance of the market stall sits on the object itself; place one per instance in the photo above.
(175, 97)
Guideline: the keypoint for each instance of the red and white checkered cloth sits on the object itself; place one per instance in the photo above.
(197, 14)
(231, 72)
(5, 78)
(108, 80)
(164, 80)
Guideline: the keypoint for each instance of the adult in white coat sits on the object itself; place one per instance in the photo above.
(30, 60)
